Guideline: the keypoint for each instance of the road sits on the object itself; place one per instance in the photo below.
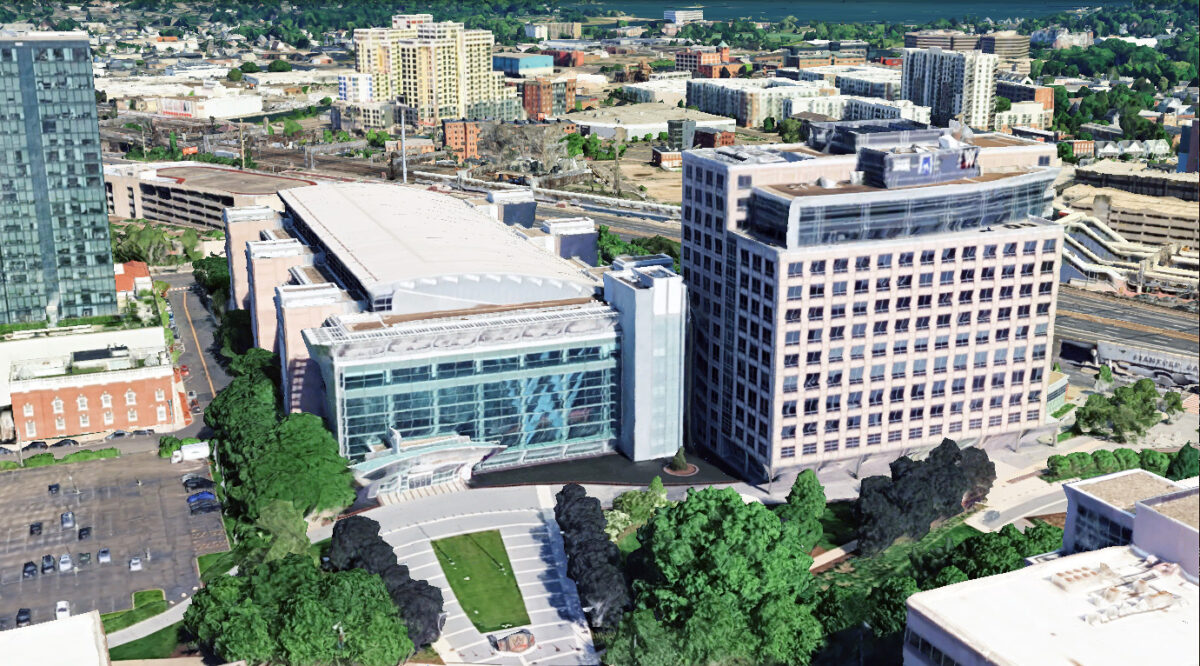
(1087, 318)
(625, 226)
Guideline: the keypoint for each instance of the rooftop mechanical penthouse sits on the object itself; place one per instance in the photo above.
(866, 304)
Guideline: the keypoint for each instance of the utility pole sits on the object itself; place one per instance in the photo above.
(403, 145)
(242, 143)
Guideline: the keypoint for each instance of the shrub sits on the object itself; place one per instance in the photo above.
(84, 456)
(40, 460)
(678, 463)
(9, 464)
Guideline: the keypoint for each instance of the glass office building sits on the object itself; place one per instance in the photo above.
(55, 257)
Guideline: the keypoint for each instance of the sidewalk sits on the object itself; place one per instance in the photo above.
(150, 625)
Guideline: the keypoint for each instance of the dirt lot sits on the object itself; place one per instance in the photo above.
(136, 507)
(661, 186)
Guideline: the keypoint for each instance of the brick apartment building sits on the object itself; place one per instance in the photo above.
(707, 137)
(690, 60)
(545, 98)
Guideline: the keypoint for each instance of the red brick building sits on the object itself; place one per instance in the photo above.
(462, 137)
(547, 98)
(567, 58)
(68, 405)
(707, 137)
(720, 70)
(690, 60)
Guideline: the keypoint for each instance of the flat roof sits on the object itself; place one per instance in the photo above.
(646, 112)
(1134, 168)
(232, 180)
(1185, 509)
(797, 190)
(74, 641)
(1124, 491)
(391, 233)
(1056, 612)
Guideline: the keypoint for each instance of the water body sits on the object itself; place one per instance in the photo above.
(856, 11)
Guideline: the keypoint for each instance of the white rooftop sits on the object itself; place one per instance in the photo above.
(392, 237)
(1108, 606)
(74, 641)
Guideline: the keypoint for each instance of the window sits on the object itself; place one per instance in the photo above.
(30, 429)
(817, 267)
(860, 308)
(862, 286)
(841, 265)
(947, 277)
(883, 284)
(927, 258)
(858, 331)
(108, 418)
(130, 397)
(862, 264)
(131, 415)
(906, 259)
(839, 288)
(857, 352)
(876, 398)
(81, 402)
(883, 261)
(106, 400)
(84, 421)
(56, 406)
(796, 268)
(837, 311)
(159, 395)
(60, 423)
(743, 182)
(788, 451)
(27, 409)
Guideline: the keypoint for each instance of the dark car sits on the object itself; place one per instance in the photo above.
(29, 571)
(201, 496)
(35, 529)
(116, 434)
(47, 563)
(207, 506)
(64, 442)
(53, 488)
(198, 483)
(5, 451)
(24, 617)
(144, 432)
(85, 533)
(35, 445)
(84, 559)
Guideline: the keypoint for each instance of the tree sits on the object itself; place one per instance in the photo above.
(949, 575)
(1002, 104)
(888, 604)
(805, 506)
(249, 68)
(641, 504)
(729, 577)
(291, 127)
(1155, 462)
(1094, 416)
(279, 66)
(593, 561)
(768, 124)
(790, 130)
(1172, 404)
(987, 554)
(678, 462)
(838, 608)
(1126, 459)
(286, 528)
(326, 101)
(1184, 464)
(1066, 152)
(286, 611)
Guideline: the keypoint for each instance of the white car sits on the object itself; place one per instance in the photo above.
(135, 564)
(64, 562)
(62, 610)
(104, 556)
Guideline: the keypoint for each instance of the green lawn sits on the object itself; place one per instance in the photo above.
(146, 603)
(213, 565)
(158, 645)
(477, 567)
(865, 572)
(1062, 411)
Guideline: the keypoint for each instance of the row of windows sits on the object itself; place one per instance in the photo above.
(915, 413)
(894, 436)
(85, 421)
(904, 304)
(937, 389)
(904, 282)
(81, 402)
(907, 259)
(469, 368)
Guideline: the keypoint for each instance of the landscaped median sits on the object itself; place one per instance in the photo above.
(146, 603)
(47, 459)
(478, 570)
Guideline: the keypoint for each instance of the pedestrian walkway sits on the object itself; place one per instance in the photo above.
(150, 625)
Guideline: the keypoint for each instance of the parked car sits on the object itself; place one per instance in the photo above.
(135, 564)
(103, 556)
(200, 496)
(47, 563)
(85, 533)
(68, 520)
(144, 432)
(62, 610)
(206, 506)
(116, 434)
(39, 445)
(64, 562)
(84, 559)
(5, 451)
(53, 488)
(64, 442)
(198, 483)
(35, 529)
(30, 570)
(184, 370)
(24, 617)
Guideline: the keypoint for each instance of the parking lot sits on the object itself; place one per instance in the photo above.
(136, 507)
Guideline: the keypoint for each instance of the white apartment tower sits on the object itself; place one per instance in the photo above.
(871, 304)
(438, 70)
(956, 85)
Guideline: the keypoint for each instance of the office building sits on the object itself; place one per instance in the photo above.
(1022, 114)
(848, 305)
(1123, 589)
(55, 255)
(622, 122)
(711, 138)
(803, 58)
(691, 59)
(436, 340)
(436, 70)
(75, 384)
(751, 101)
(1007, 45)
(554, 30)
(956, 86)
(847, 108)
(668, 91)
(682, 16)
(860, 80)
(523, 64)
(356, 88)
(1022, 89)
(545, 97)
(189, 192)
(947, 40)
(848, 137)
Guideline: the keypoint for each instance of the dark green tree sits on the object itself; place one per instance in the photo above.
(888, 605)
(1184, 464)
(805, 505)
